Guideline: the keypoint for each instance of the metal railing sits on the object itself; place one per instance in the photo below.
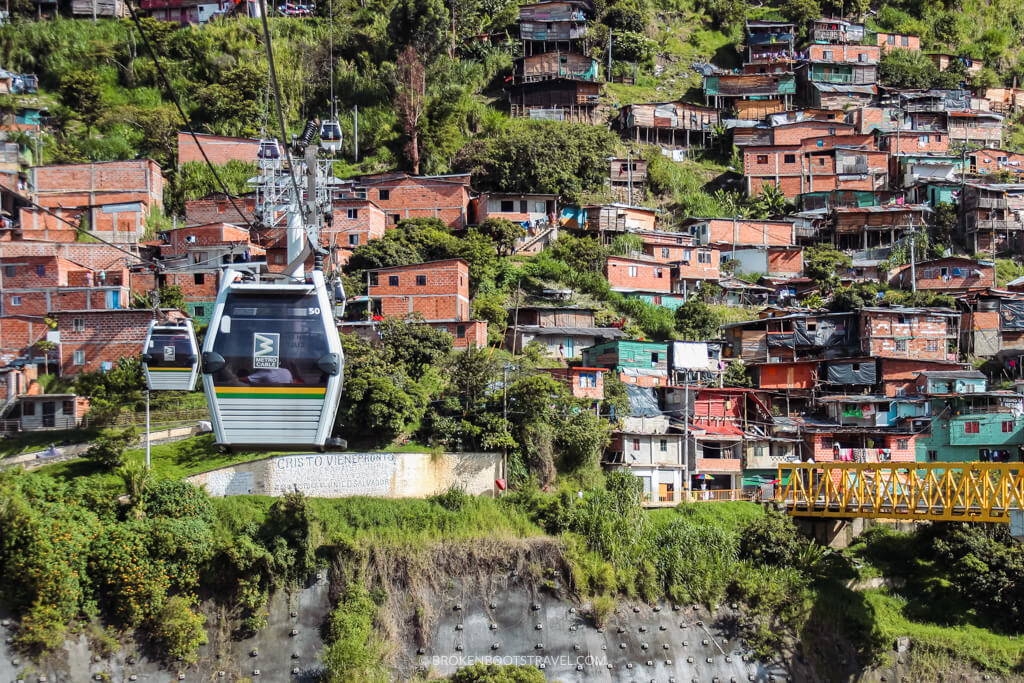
(957, 491)
(698, 496)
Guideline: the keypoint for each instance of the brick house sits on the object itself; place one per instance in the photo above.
(355, 223)
(666, 247)
(217, 208)
(401, 196)
(817, 164)
(921, 333)
(993, 160)
(743, 232)
(904, 141)
(437, 291)
(898, 377)
(532, 208)
(92, 340)
(946, 274)
(698, 265)
(219, 148)
(32, 286)
(585, 383)
(115, 197)
(992, 325)
(898, 41)
(638, 274)
(855, 444)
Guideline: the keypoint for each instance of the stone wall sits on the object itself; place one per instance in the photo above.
(337, 475)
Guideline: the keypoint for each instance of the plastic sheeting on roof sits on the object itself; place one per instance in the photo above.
(642, 401)
(690, 356)
(1011, 315)
(862, 372)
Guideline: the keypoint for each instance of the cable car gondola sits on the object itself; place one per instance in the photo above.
(170, 356)
(330, 136)
(269, 150)
(272, 363)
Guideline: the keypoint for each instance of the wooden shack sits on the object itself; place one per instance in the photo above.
(668, 123)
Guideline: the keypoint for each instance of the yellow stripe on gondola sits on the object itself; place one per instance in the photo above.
(271, 392)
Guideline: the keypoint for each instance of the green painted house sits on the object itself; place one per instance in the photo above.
(670, 301)
(968, 423)
(637, 362)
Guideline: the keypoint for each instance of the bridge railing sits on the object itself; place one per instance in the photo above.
(976, 492)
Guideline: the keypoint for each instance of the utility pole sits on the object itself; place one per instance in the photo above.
(147, 432)
(355, 133)
(609, 76)
(686, 433)
(629, 177)
(913, 261)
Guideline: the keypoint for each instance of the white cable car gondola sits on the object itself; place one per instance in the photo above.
(170, 357)
(330, 136)
(269, 150)
(272, 363)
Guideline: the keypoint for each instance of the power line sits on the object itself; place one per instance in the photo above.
(184, 117)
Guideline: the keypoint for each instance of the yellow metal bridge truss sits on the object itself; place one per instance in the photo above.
(949, 491)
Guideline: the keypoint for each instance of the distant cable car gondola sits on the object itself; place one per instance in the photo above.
(269, 150)
(330, 136)
(272, 363)
(170, 356)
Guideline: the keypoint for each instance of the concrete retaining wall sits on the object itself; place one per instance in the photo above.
(337, 475)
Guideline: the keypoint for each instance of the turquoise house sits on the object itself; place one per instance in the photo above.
(670, 301)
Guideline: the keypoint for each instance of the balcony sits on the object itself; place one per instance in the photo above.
(673, 498)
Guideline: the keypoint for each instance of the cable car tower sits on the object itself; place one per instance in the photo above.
(272, 359)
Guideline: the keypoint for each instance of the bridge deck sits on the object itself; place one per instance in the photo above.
(970, 492)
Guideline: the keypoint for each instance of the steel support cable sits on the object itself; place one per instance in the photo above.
(181, 111)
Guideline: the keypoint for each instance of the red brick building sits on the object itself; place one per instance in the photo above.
(220, 149)
(402, 196)
(586, 383)
(32, 286)
(97, 340)
(898, 41)
(947, 274)
(925, 334)
(823, 164)
(912, 141)
(743, 232)
(217, 208)
(898, 377)
(356, 222)
(638, 274)
(437, 291)
(697, 265)
(666, 247)
(115, 197)
(992, 160)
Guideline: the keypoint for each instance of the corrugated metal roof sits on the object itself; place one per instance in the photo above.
(835, 88)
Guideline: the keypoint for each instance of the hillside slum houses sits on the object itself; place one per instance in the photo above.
(864, 168)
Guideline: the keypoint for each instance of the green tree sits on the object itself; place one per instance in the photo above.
(503, 232)
(413, 345)
(582, 254)
(498, 673)
(178, 629)
(108, 448)
(80, 91)
(736, 375)
(802, 13)
(823, 265)
(420, 24)
(907, 69)
(696, 321)
(627, 244)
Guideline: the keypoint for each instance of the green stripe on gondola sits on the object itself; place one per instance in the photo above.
(291, 393)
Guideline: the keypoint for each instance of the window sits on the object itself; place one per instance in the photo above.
(972, 427)
(862, 57)
(658, 272)
(10, 271)
(933, 456)
(29, 407)
(933, 345)
(78, 358)
(632, 271)
(703, 257)
(199, 278)
(831, 131)
(820, 143)
(826, 55)
(902, 444)
(821, 161)
(353, 214)
(41, 271)
(891, 39)
(373, 280)
(199, 311)
(507, 206)
(654, 359)
(762, 158)
(353, 240)
(384, 195)
(663, 445)
(460, 331)
(392, 280)
(588, 380)
(687, 255)
(901, 344)
(15, 300)
(68, 407)
(923, 139)
(826, 442)
(78, 325)
(905, 40)
(396, 218)
(279, 259)
(938, 138)
(789, 158)
(421, 280)
(665, 252)
(1007, 426)
(636, 444)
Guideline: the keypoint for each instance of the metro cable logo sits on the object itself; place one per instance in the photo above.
(266, 349)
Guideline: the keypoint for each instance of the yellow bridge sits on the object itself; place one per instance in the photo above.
(958, 491)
